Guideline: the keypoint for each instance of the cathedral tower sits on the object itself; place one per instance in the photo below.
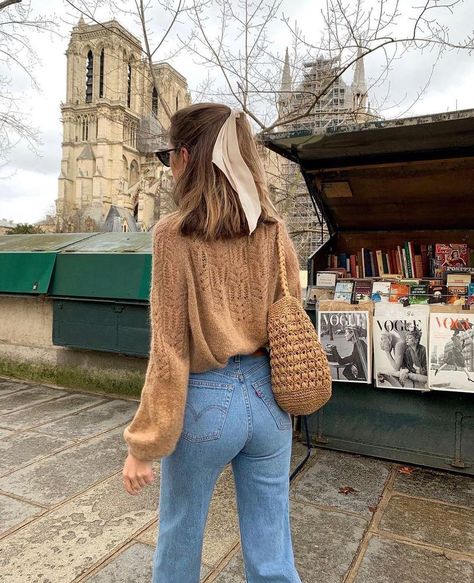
(112, 122)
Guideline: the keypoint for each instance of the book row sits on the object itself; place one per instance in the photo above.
(397, 347)
(410, 260)
(456, 289)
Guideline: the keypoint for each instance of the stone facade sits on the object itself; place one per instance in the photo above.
(113, 120)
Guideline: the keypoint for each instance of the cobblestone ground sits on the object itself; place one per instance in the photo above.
(64, 516)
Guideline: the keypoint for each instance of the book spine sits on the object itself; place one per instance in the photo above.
(353, 265)
(408, 260)
(399, 260)
(373, 266)
(405, 262)
(367, 263)
(381, 269)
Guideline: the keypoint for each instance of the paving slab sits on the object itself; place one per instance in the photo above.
(324, 542)
(19, 449)
(44, 412)
(222, 528)
(69, 472)
(332, 471)
(387, 561)
(63, 544)
(26, 398)
(7, 387)
(430, 522)
(13, 513)
(133, 565)
(233, 572)
(5, 433)
(93, 421)
(437, 485)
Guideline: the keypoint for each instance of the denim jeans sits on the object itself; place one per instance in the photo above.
(231, 417)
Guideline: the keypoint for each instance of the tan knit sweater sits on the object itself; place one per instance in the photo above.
(208, 302)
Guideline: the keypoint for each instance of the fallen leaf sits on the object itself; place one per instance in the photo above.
(347, 490)
(372, 508)
(406, 470)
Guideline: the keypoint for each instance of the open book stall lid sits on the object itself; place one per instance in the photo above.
(406, 174)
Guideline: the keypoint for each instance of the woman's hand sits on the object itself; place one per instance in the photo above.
(137, 474)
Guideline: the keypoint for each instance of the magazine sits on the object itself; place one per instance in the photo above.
(451, 354)
(344, 291)
(346, 337)
(450, 255)
(381, 291)
(400, 346)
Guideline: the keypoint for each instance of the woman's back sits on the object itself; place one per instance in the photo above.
(218, 292)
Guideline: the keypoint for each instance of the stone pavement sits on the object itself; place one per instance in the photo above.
(64, 516)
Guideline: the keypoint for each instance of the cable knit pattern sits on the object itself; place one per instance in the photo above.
(208, 302)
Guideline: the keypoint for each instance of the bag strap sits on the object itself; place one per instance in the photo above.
(282, 263)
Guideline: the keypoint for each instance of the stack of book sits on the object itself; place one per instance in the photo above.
(408, 260)
(456, 288)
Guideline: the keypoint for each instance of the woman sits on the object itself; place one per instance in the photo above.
(453, 356)
(207, 399)
(355, 368)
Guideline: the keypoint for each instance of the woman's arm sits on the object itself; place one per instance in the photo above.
(158, 422)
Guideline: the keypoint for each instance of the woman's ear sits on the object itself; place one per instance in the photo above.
(185, 154)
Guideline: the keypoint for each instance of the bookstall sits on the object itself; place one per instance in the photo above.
(397, 200)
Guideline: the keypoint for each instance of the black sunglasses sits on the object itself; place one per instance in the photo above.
(164, 156)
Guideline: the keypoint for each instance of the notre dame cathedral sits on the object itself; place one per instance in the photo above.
(113, 121)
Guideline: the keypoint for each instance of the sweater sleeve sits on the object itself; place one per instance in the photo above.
(157, 425)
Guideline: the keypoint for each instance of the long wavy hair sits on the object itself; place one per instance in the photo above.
(207, 204)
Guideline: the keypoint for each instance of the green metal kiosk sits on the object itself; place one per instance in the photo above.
(374, 186)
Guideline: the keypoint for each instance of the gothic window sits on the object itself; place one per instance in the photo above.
(133, 173)
(129, 84)
(85, 129)
(154, 102)
(177, 101)
(101, 73)
(89, 76)
(135, 211)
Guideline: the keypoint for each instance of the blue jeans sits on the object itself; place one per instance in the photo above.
(231, 417)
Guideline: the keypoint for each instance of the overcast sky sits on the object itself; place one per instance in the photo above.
(28, 184)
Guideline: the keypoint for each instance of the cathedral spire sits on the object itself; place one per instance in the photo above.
(284, 96)
(359, 85)
(286, 76)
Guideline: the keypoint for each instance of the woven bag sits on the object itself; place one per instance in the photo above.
(301, 378)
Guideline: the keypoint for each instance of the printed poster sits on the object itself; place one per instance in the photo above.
(401, 346)
(346, 338)
(451, 355)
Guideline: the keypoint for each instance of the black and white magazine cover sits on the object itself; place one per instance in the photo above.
(451, 355)
(401, 346)
(346, 338)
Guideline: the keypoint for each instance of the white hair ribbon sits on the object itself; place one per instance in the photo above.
(227, 157)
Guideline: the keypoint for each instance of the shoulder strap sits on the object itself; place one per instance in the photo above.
(282, 263)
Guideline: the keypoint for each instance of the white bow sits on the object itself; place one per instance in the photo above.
(226, 156)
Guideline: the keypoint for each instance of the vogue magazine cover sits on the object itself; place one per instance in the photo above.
(401, 346)
(451, 354)
(346, 338)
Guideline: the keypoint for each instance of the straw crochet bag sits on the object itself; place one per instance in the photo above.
(301, 378)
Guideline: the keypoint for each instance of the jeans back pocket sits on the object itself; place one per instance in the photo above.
(207, 406)
(263, 390)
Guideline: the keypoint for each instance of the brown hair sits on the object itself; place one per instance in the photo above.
(207, 204)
